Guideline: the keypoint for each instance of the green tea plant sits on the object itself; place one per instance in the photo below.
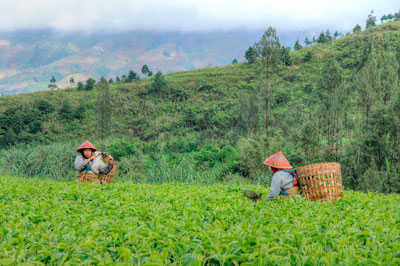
(46, 222)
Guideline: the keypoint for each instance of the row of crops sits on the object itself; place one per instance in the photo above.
(64, 223)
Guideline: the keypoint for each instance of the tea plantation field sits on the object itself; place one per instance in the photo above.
(65, 223)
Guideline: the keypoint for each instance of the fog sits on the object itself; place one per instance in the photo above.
(189, 15)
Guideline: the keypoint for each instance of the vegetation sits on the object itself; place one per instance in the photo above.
(52, 84)
(178, 137)
(333, 101)
(65, 223)
(146, 71)
(104, 108)
(250, 55)
(371, 21)
(90, 84)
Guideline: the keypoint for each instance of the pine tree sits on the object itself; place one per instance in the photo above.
(146, 71)
(371, 21)
(297, 45)
(132, 76)
(378, 134)
(332, 102)
(52, 84)
(357, 28)
(322, 38)
(250, 55)
(90, 84)
(104, 105)
(328, 36)
(249, 113)
(269, 51)
(336, 35)
(367, 84)
(389, 67)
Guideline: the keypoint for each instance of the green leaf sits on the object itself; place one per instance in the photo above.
(189, 260)
(6, 262)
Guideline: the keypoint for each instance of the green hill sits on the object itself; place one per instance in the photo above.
(29, 58)
(336, 101)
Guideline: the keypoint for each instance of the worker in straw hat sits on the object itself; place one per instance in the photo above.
(89, 160)
(284, 181)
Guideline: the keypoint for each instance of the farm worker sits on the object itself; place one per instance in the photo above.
(90, 161)
(284, 181)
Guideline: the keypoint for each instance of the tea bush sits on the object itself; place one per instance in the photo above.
(46, 222)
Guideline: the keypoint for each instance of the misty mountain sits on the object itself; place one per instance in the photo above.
(28, 59)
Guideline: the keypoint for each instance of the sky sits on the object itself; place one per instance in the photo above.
(189, 15)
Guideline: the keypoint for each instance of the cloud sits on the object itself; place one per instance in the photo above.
(189, 15)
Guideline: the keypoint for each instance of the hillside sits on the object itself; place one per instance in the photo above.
(215, 116)
(30, 58)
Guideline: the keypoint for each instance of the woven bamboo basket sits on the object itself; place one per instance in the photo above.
(105, 179)
(321, 181)
(88, 177)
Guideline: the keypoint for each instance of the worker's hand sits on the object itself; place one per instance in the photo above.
(110, 158)
(90, 159)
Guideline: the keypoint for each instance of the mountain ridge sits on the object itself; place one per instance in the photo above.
(30, 58)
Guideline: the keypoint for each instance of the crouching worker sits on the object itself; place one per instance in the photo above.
(284, 181)
(90, 165)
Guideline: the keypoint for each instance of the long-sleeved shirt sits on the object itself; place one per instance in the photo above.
(96, 165)
(280, 181)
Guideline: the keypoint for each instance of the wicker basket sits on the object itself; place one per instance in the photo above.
(105, 179)
(321, 181)
(88, 177)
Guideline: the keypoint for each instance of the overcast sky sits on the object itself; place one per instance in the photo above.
(189, 15)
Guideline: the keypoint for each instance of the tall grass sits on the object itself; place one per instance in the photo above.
(56, 161)
(184, 170)
(53, 161)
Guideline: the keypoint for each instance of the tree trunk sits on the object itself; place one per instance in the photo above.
(266, 113)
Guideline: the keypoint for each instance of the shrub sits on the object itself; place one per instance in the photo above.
(181, 145)
(122, 148)
(44, 107)
(252, 152)
(308, 56)
(211, 156)
(90, 84)
(66, 111)
(159, 83)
